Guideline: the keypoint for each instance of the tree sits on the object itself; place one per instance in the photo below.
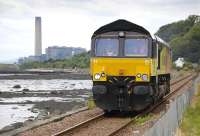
(184, 38)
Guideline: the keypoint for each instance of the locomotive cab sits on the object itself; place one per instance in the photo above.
(128, 67)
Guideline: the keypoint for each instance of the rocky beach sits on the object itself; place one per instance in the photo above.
(25, 98)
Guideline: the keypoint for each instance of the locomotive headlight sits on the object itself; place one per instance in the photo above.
(144, 77)
(138, 75)
(103, 74)
(97, 76)
(121, 34)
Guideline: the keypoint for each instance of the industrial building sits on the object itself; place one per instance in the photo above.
(54, 53)
(59, 53)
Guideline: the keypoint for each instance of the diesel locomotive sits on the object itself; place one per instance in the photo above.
(130, 68)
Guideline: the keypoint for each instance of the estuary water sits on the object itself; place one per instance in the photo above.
(17, 105)
(36, 85)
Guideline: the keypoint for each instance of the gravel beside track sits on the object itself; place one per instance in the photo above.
(103, 127)
(67, 122)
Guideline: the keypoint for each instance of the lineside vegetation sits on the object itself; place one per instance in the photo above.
(191, 121)
(78, 61)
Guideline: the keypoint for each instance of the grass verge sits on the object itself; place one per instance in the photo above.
(90, 103)
(142, 120)
(190, 125)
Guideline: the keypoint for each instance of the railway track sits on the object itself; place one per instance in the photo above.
(110, 126)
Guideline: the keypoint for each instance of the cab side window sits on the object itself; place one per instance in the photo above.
(159, 55)
(154, 49)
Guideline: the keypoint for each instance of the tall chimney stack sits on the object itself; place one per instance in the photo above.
(38, 36)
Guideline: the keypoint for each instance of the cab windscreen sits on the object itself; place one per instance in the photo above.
(136, 47)
(106, 47)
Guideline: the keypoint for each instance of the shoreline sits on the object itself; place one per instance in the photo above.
(47, 76)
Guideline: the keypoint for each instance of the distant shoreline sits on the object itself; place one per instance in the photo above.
(12, 75)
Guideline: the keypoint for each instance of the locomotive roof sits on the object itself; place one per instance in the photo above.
(121, 25)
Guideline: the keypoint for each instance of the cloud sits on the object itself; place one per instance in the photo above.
(72, 22)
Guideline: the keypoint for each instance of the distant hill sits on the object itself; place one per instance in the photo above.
(184, 38)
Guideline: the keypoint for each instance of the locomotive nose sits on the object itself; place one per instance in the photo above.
(121, 67)
(121, 72)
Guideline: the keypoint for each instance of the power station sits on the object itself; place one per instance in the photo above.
(38, 36)
(54, 52)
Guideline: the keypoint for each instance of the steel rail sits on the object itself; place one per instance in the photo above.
(180, 79)
(84, 123)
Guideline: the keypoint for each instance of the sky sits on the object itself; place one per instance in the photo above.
(72, 22)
